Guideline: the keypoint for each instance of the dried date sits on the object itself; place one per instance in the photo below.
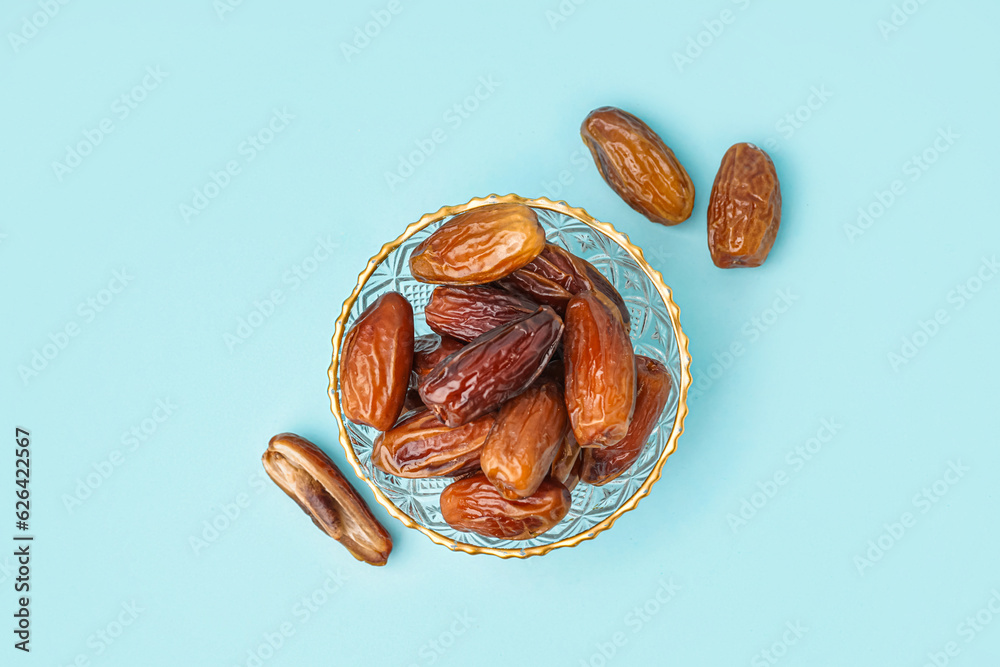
(600, 466)
(375, 363)
(421, 446)
(312, 480)
(491, 369)
(479, 246)
(638, 165)
(744, 212)
(600, 371)
(475, 505)
(466, 313)
(524, 441)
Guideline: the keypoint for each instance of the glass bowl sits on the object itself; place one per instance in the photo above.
(656, 332)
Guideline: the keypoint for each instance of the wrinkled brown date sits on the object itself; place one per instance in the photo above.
(467, 313)
(421, 446)
(529, 430)
(479, 246)
(474, 505)
(600, 371)
(312, 480)
(638, 166)
(491, 369)
(375, 362)
(600, 466)
(567, 465)
(556, 275)
(430, 350)
(744, 212)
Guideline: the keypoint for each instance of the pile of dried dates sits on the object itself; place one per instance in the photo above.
(528, 386)
(744, 211)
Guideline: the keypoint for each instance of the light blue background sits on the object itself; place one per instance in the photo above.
(826, 357)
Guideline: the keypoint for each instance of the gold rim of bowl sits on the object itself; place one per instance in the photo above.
(602, 227)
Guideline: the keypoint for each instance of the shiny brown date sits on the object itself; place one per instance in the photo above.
(600, 371)
(421, 446)
(430, 350)
(474, 505)
(567, 465)
(491, 369)
(312, 480)
(479, 246)
(529, 430)
(744, 212)
(638, 166)
(467, 313)
(600, 466)
(556, 275)
(375, 362)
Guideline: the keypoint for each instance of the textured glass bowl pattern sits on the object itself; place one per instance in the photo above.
(655, 333)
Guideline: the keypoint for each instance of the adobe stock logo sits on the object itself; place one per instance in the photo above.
(223, 7)
(296, 276)
(302, 611)
(779, 649)
(101, 640)
(33, 24)
(434, 649)
(131, 441)
(925, 500)
(793, 121)
(88, 311)
(959, 297)
(121, 108)
(900, 16)
(363, 35)
(580, 160)
(636, 619)
(714, 28)
(249, 149)
(562, 12)
(915, 168)
(455, 117)
(225, 514)
(968, 630)
(795, 460)
(752, 330)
